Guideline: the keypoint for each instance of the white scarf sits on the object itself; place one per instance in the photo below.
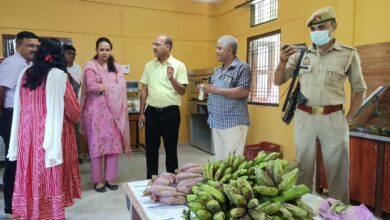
(52, 143)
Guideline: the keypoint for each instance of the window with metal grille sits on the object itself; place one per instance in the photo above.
(263, 57)
(263, 11)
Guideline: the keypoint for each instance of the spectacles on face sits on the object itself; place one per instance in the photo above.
(155, 44)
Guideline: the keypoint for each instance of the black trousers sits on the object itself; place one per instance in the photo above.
(10, 166)
(165, 123)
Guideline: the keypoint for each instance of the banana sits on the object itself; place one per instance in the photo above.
(204, 197)
(239, 200)
(263, 178)
(260, 157)
(305, 207)
(272, 156)
(226, 178)
(213, 206)
(295, 210)
(195, 206)
(257, 214)
(278, 171)
(249, 164)
(253, 203)
(291, 165)
(266, 191)
(227, 171)
(219, 216)
(215, 193)
(272, 208)
(213, 183)
(203, 214)
(195, 189)
(270, 169)
(219, 173)
(191, 197)
(240, 172)
(230, 159)
(289, 179)
(285, 213)
(235, 163)
(246, 189)
(237, 212)
(242, 165)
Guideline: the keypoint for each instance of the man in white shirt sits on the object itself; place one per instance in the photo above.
(76, 79)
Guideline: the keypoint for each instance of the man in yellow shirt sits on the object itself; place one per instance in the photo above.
(164, 82)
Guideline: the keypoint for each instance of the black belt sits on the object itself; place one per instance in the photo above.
(7, 109)
(164, 109)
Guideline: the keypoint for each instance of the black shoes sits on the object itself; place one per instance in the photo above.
(112, 187)
(101, 189)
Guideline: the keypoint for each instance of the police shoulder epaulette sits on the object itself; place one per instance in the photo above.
(348, 47)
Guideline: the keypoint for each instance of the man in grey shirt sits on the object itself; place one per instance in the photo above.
(27, 44)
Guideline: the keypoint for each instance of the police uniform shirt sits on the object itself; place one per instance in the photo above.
(322, 77)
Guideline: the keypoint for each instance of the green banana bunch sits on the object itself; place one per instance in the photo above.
(289, 179)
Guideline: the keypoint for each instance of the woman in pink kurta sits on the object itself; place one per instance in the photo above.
(105, 115)
(42, 191)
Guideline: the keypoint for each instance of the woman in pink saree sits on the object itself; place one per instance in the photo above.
(105, 115)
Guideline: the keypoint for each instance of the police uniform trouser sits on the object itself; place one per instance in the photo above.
(332, 130)
(10, 166)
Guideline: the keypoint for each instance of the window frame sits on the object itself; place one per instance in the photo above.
(249, 39)
(252, 9)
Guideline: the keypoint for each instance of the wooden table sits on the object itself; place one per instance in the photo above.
(142, 207)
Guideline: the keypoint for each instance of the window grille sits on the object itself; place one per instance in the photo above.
(263, 58)
(263, 11)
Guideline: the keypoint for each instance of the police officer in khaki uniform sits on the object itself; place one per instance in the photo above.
(323, 70)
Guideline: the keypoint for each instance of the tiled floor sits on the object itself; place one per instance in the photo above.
(112, 204)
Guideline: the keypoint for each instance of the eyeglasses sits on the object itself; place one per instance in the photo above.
(154, 44)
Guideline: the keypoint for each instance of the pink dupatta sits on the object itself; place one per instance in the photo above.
(116, 96)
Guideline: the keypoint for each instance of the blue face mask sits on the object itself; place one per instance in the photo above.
(320, 38)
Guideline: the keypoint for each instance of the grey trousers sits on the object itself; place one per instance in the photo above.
(333, 132)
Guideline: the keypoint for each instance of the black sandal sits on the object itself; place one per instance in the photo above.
(112, 187)
(101, 189)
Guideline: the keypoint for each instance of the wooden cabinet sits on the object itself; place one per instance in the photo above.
(362, 172)
(369, 177)
(386, 180)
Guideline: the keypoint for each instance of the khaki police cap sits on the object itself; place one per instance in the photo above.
(321, 15)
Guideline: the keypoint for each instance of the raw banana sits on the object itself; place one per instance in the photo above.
(295, 210)
(263, 178)
(219, 216)
(213, 206)
(266, 190)
(215, 193)
(195, 206)
(289, 179)
(237, 212)
(272, 208)
(253, 203)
